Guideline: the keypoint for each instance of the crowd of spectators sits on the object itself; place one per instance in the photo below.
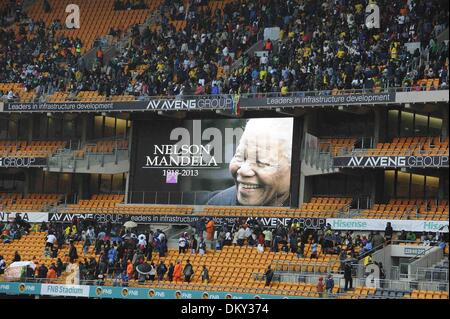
(14, 229)
(323, 46)
(130, 5)
(326, 46)
(122, 255)
(38, 58)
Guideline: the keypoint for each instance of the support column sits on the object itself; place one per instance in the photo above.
(378, 189)
(30, 127)
(444, 121)
(26, 184)
(302, 187)
(442, 193)
(295, 161)
(84, 126)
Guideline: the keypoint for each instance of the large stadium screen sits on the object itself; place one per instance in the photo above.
(212, 162)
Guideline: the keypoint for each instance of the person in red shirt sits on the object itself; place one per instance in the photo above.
(320, 286)
(51, 274)
(268, 45)
(177, 272)
(129, 269)
(210, 230)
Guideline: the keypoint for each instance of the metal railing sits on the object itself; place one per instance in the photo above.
(431, 274)
(70, 161)
(291, 267)
(108, 282)
(402, 285)
(427, 258)
(44, 98)
(175, 197)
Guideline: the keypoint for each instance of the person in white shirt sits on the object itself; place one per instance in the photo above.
(161, 237)
(182, 244)
(248, 233)
(142, 241)
(241, 236)
(50, 241)
(267, 238)
(2, 265)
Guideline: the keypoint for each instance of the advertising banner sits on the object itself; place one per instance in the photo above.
(20, 162)
(391, 161)
(17, 288)
(65, 290)
(380, 224)
(150, 293)
(31, 217)
(224, 162)
(217, 102)
(302, 99)
(272, 222)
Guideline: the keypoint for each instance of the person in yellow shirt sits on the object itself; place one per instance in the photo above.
(262, 74)
(307, 52)
(394, 52)
(359, 7)
(160, 67)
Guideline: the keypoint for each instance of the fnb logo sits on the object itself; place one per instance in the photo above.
(372, 16)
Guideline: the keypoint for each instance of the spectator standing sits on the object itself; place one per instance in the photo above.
(42, 272)
(73, 254)
(125, 278)
(314, 250)
(377, 240)
(177, 272)
(152, 272)
(47, 7)
(170, 272)
(269, 275)
(202, 247)
(51, 274)
(320, 287)
(205, 275)
(188, 271)
(267, 238)
(129, 269)
(16, 257)
(182, 244)
(2, 265)
(193, 245)
(329, 284)
(161, 270)
(388, 231)
(210, 229)
(348, 276)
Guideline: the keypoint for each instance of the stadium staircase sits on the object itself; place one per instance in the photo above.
(315, 162)
(112, 50)
(111, 157)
